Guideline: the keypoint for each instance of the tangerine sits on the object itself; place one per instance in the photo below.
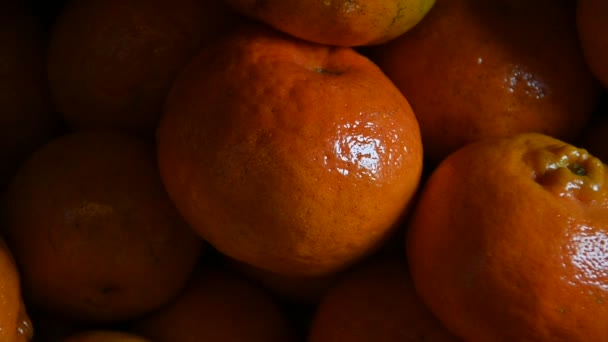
(477, 69)
(293, 157)
(509, 241)
(88, 217)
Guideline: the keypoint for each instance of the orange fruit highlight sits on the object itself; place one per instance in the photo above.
(218, 305)
(293, 157)
(112, 62)
(592, 24)
(341, 22)
(477, 69)
(509, 241)
(88, 217)
(375, 301)
(15, 324)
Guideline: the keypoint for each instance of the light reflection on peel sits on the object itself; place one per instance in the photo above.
(358, 150)
(346, 7)
(519, 79)
(588, 253)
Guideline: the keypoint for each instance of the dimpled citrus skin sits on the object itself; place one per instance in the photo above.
(338, 22)
(476, 69)
(509, 242)
(88, 217)
(292, 157)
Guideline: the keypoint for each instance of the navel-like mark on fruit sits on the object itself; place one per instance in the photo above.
(577, 169)
(566, 170)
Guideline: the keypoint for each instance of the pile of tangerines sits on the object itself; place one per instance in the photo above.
(277, 171)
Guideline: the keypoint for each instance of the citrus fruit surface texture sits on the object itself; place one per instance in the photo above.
(219, 305)
(528, 247)
(375, 301)
(303, 170)
(87, 216)
(293, 157)
(111, 62)
(338, 22)
(474, 69)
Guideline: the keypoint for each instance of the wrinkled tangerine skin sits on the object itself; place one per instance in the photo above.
(292, 157)
(509, 242)
(15, 324)
(475, 69)
(338, 22)
(592, 24)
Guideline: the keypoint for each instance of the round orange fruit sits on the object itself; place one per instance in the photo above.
(338, 22)
(375, 301)
(112, 62)
(87, 217)
(293, 157)
(509, 241)
(218, 305)
(477, 69)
